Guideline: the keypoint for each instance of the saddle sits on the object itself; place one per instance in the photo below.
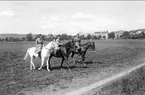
(56, 52)
(38, 51)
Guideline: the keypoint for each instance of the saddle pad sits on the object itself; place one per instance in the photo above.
(37, 50)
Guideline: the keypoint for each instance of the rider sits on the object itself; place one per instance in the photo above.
(58, 41)
(77, 41)
(39, 44)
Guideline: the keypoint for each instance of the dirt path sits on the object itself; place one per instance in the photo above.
(97, 84)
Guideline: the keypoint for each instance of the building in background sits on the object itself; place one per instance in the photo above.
(118, 34)
(101, 34)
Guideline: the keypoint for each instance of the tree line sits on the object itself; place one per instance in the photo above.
(50, 37)
(127, 35)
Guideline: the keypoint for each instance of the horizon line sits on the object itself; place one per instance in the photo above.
(75, 34)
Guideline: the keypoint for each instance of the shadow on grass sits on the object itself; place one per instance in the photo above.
(73, 67)
(63, 67)
(89, 62)
(94, 62)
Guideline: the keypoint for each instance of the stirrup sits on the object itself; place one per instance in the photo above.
(39, 54)
(36, 55)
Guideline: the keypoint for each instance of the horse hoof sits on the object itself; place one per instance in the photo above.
(85, 65)
(48, 70)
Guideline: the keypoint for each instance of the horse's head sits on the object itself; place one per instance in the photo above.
(92, 45)
(52, 45)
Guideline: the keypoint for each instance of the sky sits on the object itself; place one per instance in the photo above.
(70, 17)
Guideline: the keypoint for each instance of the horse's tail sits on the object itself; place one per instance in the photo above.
(26, 55)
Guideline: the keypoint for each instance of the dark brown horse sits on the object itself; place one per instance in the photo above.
(83, 50)
(64, 52)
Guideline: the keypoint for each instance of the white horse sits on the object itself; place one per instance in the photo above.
(45, 53)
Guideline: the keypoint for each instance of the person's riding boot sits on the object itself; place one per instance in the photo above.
(36, 55)
(79, 51)
(39, 54)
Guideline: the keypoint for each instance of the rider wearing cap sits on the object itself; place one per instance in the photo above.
(39, 44)
(58, 41)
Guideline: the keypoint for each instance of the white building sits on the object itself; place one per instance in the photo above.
(102, 34)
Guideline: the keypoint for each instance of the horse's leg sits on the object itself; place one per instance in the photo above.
(32, 64)
(48, 62)
(42, 62)
(83, 59)
(72, 56)
(61, 63)
(66, 60)
(63, 56)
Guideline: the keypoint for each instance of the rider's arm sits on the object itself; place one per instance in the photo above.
(59, 42)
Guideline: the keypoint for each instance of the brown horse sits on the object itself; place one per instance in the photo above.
(83, 50)
(64, 52)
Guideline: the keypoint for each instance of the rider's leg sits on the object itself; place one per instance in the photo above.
(36, 51)
(39, 51)
(77, 46)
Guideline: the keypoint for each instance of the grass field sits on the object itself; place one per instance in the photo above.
(112, 56)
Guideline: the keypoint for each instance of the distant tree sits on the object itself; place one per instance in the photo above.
(43, 37)
(94, 36)
(82, 37)
(64, 37)
(125, 35)
(23, 38)
(6, 39)
(142, 35)
(36, 36)
(111, 35)
(29, 37)
(11, 39)
(104, 37)
(50, 37)
(89, 36)
(100, 37)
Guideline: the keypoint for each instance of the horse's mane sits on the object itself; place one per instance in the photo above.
(67, 43)
(86, 43)
(49, 43)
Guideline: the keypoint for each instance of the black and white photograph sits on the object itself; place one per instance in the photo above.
(72, 47)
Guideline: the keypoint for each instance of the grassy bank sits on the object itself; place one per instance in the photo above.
(131, 84)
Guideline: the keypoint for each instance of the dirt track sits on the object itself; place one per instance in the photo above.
(112, 57)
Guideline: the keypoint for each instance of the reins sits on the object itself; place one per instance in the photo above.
(50, 48)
